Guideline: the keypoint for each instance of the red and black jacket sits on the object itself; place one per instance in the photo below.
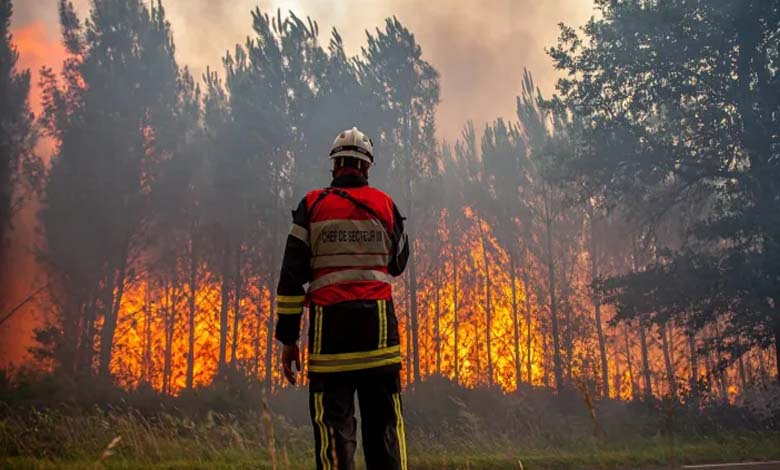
(347, 242)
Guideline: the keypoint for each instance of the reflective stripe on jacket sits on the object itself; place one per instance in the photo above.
(346, 242)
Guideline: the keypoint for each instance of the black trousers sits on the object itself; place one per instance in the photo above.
(332, 408)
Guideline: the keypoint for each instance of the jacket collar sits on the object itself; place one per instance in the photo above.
(349, 181)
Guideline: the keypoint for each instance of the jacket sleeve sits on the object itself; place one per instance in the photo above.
(400, 254)
(296, 271)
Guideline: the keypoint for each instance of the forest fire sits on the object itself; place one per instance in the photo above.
(504, 291)
(593, 274)
(153, 333)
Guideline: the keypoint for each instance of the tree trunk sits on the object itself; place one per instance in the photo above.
(743, 380)
(515, 319)
(776, 328)
(455, 345)
(193, 275)
(236, 308)
(110, 320)
(488, 307)
(762, 364)
(412, 266)
(169, 317)
(694, 367)
(594, 275)
(408, 336)
(528, 338)
(629, 364)
(223, 309)
(568, 334)
(648, 392)
(413, 317)
(269, 332)
(437, 315)
(146, 357)
(670, 379)
(721, 373)
(557, 366)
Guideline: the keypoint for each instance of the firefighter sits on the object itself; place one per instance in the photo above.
(347, 241)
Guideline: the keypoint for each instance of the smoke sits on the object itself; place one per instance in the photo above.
(479, 46)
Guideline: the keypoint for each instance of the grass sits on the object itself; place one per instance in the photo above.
(175, 443)
(447, 428)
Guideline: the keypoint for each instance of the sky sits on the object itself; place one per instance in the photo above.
(479, 47)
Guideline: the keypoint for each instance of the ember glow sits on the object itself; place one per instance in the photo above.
(485, 315)
(152, 339)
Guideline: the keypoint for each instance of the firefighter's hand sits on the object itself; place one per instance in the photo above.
(291, 354)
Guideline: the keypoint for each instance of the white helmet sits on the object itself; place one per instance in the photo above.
(352, 143)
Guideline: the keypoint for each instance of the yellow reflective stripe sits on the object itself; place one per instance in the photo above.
(356, 354)
(317, 330)
(349, 275)
(354, 366)
(382, 311)
(289, 310)
(291, 298)
(319, 411)
(300, 233)
(399, 429)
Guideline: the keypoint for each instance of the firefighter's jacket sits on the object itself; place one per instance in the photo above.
(346, 242)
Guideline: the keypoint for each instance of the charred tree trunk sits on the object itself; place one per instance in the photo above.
(455, 359)
(193, 284)
(413, 349)
(236, 307)
(719, 365)
(408, 336)
(146, 357)
(670, 379)
(761, 365)
(557, 366)
(515, 319)
(629, 364)
(776, 328)
(528, 338)
(694, 367)
(108, 330)
(437, 315)
(568, 334)
(414, 352)
(594, 275)
(223, 308)
(269, 332)
(743, 380)
(488, 307)
(169, 317)
(648, 389)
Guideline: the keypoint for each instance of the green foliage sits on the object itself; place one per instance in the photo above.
(678, 108)
(17, 133)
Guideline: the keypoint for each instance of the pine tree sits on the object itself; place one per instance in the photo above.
(108, 121)
(17, 135)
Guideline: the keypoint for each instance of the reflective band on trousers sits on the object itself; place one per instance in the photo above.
(349, 260)
(317, 346)
(354, 360)
(400, 433)
(349, 275)
(322, 429)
